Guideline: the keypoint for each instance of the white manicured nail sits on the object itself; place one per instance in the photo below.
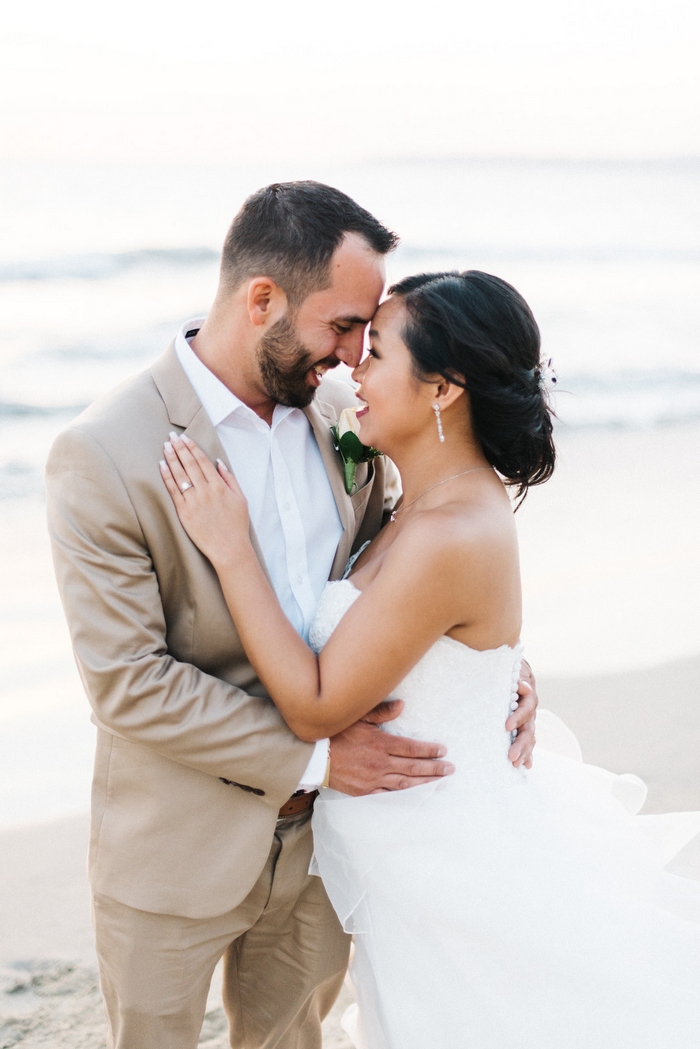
(168, 446)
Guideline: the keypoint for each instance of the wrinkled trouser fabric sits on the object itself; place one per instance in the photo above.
(284, 952)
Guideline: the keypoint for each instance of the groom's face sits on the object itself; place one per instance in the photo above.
(326, 329)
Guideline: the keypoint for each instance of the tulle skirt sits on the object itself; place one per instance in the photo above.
(533, 916)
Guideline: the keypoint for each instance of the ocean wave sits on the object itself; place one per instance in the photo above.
(636, 400)
(21, 480)
(549, 253)
(583, 400)
(102, 265)
(94, 266)
(18, 409)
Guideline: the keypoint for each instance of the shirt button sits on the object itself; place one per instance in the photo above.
(300, 578)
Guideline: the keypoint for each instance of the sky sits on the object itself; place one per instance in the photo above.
(149, 80)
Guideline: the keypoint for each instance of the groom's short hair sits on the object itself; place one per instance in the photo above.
(289, 231)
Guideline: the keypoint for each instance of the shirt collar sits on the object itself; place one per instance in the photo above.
(217, 400)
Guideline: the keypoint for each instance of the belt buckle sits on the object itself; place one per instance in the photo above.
(306, 797)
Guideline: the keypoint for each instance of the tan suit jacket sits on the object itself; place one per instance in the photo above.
(175, 699)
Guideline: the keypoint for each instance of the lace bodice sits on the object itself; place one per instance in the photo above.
(454, 695)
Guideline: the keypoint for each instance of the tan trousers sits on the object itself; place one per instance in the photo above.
(284, 952)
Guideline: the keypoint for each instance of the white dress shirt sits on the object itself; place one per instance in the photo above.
(290, 500)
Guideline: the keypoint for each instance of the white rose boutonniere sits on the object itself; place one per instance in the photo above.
(352, 451)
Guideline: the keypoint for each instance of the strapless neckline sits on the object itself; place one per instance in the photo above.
(445, 637)
(454, 694)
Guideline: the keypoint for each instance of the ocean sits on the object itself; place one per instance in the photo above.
(100, 263)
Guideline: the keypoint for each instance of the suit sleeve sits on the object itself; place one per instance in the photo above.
(112, 603)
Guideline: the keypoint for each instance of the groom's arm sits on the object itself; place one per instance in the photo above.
(365, 760)
(115, 614)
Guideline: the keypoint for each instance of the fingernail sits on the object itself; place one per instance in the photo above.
(185, 438)
(173, 436)
(168, 446)
(448, 770)
(441, 752)
(222, 465)
(163, 464)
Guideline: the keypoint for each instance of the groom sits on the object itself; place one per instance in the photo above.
(202, 797)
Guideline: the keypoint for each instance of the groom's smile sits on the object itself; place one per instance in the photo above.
(331, 323)
(269, 349)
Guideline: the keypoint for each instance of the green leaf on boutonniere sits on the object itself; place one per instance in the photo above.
(348, 444)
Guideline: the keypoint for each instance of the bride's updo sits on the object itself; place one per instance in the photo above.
(479, 333)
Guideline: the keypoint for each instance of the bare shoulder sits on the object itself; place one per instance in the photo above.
(456, 532)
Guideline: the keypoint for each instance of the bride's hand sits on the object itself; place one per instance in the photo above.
(208, 499)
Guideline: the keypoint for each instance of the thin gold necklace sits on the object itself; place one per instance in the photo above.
(405, 506)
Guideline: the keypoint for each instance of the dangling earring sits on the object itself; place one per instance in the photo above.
(441, 436)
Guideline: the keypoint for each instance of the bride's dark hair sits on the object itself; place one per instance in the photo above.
(477, 331)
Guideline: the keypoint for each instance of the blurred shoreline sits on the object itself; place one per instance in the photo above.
(610, 556)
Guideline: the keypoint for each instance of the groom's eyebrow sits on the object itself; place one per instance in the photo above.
(355, 320)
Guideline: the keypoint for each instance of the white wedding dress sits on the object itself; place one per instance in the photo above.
(500, 908)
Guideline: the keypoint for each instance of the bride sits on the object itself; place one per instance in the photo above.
(497, 907)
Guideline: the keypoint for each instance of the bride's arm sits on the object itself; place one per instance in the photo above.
(409, 605)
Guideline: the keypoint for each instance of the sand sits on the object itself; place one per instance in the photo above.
(646, 722)
(49, 995)
(611, 571)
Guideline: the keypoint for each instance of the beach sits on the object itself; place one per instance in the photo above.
(48, 990)
(615, 653)
(608, 256)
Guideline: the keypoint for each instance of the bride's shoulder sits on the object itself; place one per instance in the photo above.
(453, 536)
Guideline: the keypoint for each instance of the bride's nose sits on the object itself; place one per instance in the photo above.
(360, 370)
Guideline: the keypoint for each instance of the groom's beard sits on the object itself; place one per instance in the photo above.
(284, 365)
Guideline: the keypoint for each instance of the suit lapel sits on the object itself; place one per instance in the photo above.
(322, 416)
(186, 412)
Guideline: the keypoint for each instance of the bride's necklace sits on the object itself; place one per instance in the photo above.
(405, 506)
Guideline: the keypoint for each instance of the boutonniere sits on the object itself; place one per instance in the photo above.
(348, 444)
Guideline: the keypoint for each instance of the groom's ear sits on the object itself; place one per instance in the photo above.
(266, 301)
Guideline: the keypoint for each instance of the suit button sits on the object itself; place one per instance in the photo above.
(243, 786)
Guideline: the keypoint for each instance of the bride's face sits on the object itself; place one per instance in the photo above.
(395, 405)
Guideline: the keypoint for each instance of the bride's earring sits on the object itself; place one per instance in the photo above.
(441, 436)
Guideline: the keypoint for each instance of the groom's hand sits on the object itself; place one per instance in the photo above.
(365, 760)
(523, 719)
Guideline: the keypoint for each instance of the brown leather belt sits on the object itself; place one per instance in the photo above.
(298, 803)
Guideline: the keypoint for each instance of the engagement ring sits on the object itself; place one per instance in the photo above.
(185, 485)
